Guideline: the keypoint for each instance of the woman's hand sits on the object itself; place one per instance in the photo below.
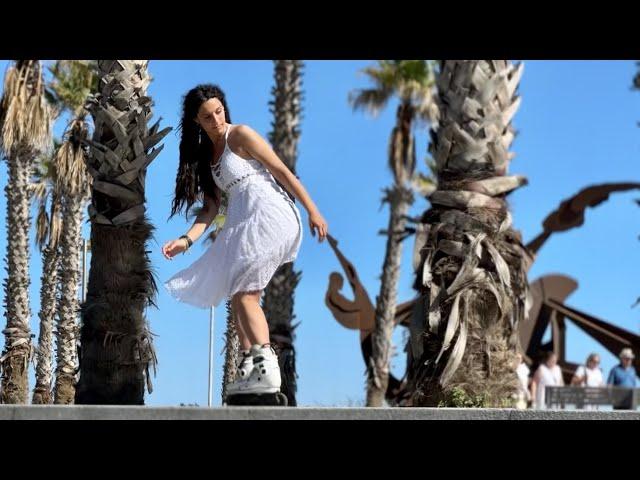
(174, 247)
(317, 221)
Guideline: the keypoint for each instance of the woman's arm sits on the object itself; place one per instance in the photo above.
(203, 220)
(251, 143)
(579, 377)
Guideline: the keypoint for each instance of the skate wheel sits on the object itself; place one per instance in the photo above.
(277, 399)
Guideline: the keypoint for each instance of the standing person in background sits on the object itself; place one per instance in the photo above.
(523, 371)
(589, 374)
(548, 374)
(623, 374)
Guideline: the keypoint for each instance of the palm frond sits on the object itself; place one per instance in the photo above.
(42, 222)
(25, 115)
(384, 75)
(423, 184)
(412, 81)
(73, 81)
(371, 100)
(72, 176)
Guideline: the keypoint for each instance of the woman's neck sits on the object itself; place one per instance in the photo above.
(220, 138)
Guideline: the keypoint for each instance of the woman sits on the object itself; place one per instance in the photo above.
(523, 397)
(262, 230)
(548, 374)
(589, 374)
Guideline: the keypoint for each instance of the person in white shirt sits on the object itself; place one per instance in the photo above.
(590, 374)
(548, 374)
(522, 370)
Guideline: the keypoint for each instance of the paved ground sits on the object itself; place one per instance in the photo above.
(86, 412)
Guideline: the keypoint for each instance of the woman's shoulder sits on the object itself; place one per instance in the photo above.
(241, 131)
(241, 138)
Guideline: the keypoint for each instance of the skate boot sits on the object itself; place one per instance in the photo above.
(243, 370)
(262, 386)
(265, 376)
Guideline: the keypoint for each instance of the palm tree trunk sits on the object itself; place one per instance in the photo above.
(25, 127)
(278, 303)
(399, 198)
(18, 348)
(68, 309)
(472, 277)
(116, 345)
(231, 352)
(278, 299)
(48, 304)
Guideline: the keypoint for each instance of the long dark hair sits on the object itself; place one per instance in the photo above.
(194, 177)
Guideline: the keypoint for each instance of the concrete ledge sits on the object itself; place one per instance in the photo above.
(109, 412)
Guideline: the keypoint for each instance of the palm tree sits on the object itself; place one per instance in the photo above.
(47, 239)
(278, 299)
(472, 274)
(231, 352)
(412, 81)
(116, 347)
(72, 83)
(25, 124)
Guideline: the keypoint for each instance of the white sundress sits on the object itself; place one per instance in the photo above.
(262, 231)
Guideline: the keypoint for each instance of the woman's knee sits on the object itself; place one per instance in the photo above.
(242, 300)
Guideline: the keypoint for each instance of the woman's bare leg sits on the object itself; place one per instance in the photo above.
(245, 343)
(252, 318)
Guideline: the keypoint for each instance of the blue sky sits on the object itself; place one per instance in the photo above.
(577, 126)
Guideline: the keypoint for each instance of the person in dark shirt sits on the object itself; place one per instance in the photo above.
(623, 374)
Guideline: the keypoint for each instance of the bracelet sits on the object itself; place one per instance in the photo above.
(189, 241)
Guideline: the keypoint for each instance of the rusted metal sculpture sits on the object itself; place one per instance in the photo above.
(359, 313)
(550, 291)
(547, 298)
(549, 309)
(570, 213)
